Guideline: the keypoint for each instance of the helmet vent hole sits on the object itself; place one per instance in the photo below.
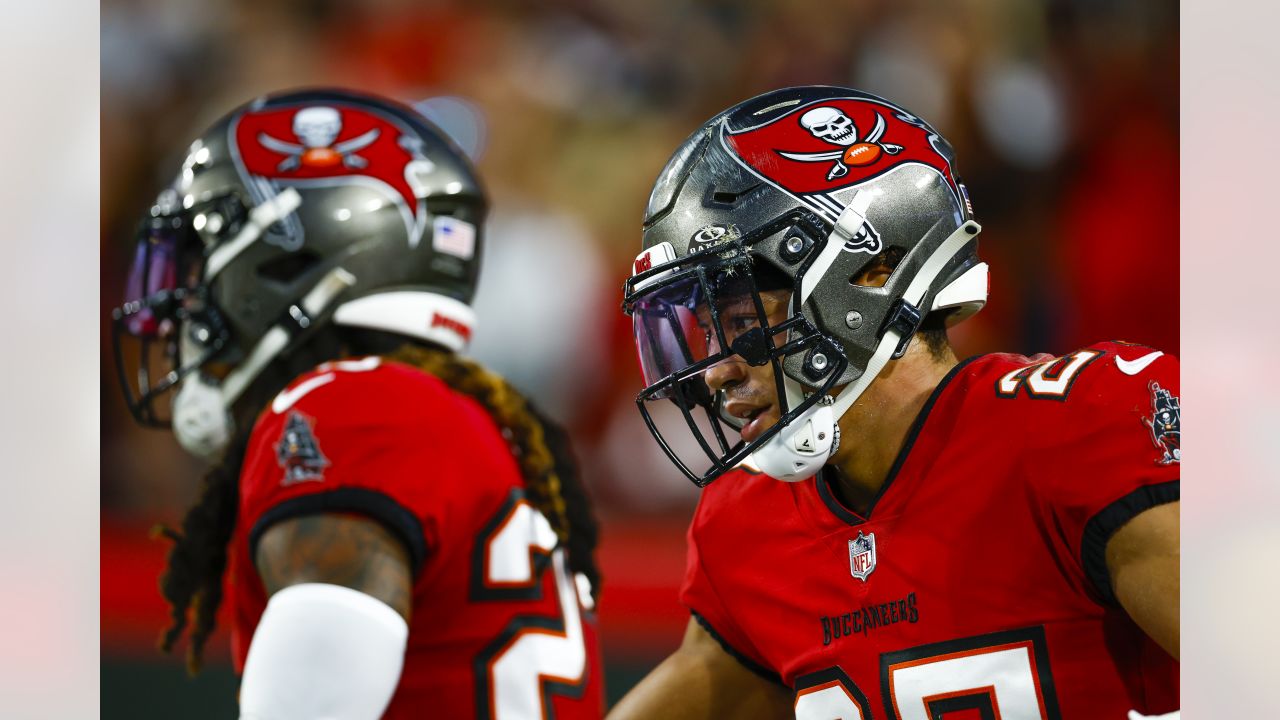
(879, 269)
(288, 268)
(463, 209)
(728, 198)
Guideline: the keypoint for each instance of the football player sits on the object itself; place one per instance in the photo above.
(405, 537)
(886, 531)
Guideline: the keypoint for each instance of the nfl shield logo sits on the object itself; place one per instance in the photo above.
(862, 555)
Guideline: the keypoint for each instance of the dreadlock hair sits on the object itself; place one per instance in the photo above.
(541, 448)
(192, 580)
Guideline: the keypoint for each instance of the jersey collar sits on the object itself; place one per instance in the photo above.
(823, 480)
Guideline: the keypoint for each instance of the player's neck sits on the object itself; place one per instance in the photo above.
(873, 431)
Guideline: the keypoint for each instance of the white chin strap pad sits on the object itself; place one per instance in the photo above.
(202, 419)
(323, 651)
(800, 449)
(201, 422)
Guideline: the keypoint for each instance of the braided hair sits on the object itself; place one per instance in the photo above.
(192, 580)
(542, 449)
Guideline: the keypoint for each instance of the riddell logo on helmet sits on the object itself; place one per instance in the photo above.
(836, 143)
(448, 323)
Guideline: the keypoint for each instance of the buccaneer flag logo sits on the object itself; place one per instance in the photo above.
(317, 128)
(327, 145)
(836, 143)
(818, 151)
(833, 126)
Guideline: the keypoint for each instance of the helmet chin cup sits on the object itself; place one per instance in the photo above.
(201, 422)
(798, 451)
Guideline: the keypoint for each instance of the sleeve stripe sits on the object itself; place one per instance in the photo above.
(747, 662)
(1104, 524)
(380, 507)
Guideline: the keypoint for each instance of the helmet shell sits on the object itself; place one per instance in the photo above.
(815, 149)
(385, 195)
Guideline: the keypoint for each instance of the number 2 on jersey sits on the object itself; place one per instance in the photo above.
(534, 656)
(1050, 380)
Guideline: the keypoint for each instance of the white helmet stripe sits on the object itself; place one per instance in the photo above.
(851, 219)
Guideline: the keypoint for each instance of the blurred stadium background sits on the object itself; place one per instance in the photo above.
(1064, 114)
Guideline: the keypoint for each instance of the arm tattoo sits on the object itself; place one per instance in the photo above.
(347, 550)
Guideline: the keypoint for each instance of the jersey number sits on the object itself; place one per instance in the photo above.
(1002, 675)
(1050, 380)
(534, 655)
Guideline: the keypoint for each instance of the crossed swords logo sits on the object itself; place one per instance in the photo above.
(317, 128)
(833, 126)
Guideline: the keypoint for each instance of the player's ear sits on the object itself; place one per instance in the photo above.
(874, 276)
(877, 272)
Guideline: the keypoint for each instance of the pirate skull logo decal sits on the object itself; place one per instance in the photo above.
(331, 144)
(317, 128)
(814, 150)
(833, 126)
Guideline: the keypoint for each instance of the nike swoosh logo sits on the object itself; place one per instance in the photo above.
(287, 398)
(1133, 367)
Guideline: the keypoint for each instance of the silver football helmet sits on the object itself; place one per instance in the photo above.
(294, 212)
(807, 187)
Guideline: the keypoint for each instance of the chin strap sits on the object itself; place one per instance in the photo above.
(800, 449)
(893, 338)
(275, 340)
(202, 421)
(260, 218)
(851, 219)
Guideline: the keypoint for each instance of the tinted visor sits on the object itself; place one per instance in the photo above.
(163, 296)
(694, 322)
(689, 323)
(669, 337)
(166, 258)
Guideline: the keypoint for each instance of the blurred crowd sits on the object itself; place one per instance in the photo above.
(1064, 115)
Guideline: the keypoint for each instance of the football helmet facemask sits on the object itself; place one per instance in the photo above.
(293, 212)
(807, 188)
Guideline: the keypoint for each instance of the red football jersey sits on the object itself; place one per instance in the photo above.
(976, 585)
(499, 626)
